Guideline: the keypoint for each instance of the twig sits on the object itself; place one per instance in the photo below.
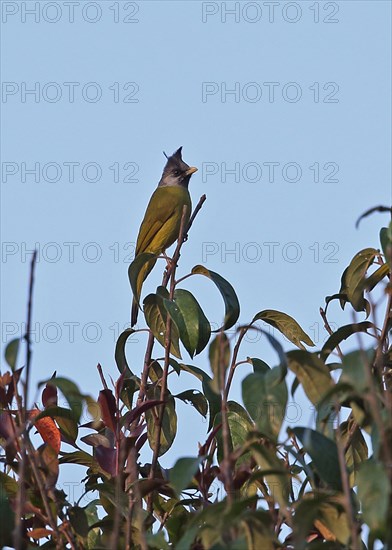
(134, 498)
(355, 543)
(27, 336)
(169, 273)
(227, 474)
(18, 536)
(234, 359)
(328, 328)
(120, 463)
(41, 487)
(146, 369)
(195, 213)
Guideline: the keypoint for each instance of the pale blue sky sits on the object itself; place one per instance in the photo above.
(339, 72)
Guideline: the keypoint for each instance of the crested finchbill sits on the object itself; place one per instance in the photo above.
(161, 223)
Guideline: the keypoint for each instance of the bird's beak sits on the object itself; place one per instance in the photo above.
(191, 171)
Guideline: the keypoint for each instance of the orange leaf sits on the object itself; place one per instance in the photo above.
(48, 430)
(326, 533)
(39, 533)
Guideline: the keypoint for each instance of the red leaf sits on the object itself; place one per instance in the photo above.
(107, 404)
(6, 426)
(140, 442)
(106, 458)
(15, 379)
(49, 395)
(135, 413)
(120, 382)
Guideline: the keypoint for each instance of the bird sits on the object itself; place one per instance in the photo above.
(161, 223)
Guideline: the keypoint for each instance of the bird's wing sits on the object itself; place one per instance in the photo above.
(161, 208)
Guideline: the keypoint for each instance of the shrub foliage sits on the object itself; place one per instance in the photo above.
(256, 482)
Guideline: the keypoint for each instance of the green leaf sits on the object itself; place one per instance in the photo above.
(119, 355)
(232, 305)
(7, 522)
(286, 325)
(71, 393)
(197, 329)
(338, 393)
(108, 490)
(386, 243)
(356, 368)
(373, 493)
(183, 472)
(342, 334)
(135, 268)
(277, 347)
(352, 282)
(157, 541)
(311, 372)
(8, 485)
(376, 277)
(155, 314)
(279, 481)
(196, 398)
(257, 535)
(83, 459)
(265, 398)
(240, 425)
(357, 450)
(323, 452)
(320, 510)
(259, 365)
(219, 356)
(78, 519)
(214, 400)
(333, 516)
(326, 414)
(11, 353)
(169, 421)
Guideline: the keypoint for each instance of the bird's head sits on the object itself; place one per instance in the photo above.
(176, 171)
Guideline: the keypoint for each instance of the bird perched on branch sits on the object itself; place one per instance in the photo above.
(161, 223)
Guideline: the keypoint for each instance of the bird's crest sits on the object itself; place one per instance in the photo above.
(175, 160)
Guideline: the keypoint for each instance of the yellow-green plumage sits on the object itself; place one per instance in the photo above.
(161, 223)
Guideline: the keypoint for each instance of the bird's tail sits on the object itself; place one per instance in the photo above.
(141, 278)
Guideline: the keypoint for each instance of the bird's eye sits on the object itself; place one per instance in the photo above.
(176, 173)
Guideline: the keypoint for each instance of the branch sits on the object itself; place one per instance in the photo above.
(18, 532)
(233, 365)
(170, 272)
(355, 542)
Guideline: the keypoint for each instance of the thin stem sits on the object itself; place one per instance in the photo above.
(146, 368)
(181, 279)
(28, 328)
(355, 543)
(328, 328)
(18, 534)
(170, 273)
(135, 503)
(195, 213)
(234, 360)
(41, 486)
(227, 474)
